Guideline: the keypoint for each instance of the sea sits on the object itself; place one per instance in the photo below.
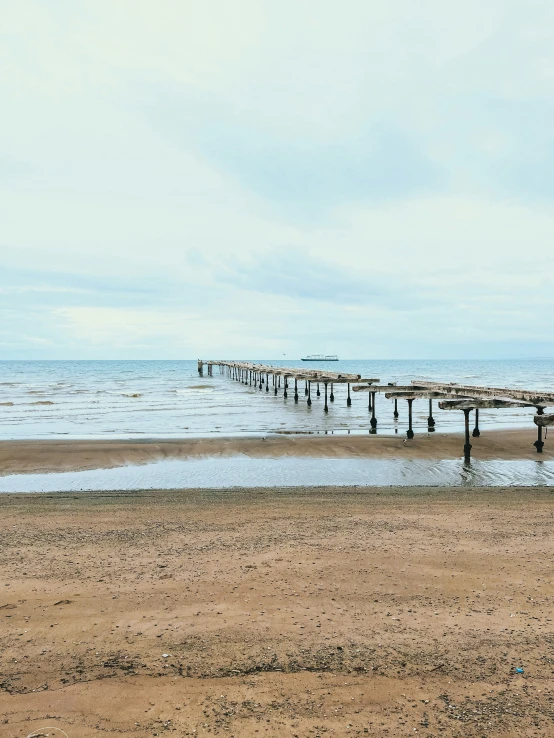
(168, 399)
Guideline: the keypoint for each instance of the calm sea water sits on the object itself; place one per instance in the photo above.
(138, 399)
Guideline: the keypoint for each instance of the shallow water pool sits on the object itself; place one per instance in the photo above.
(242, 471)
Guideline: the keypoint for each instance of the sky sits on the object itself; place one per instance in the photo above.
(373, 178)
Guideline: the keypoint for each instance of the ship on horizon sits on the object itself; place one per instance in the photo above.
(320, 357)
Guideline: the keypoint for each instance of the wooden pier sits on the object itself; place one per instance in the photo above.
(450, 395)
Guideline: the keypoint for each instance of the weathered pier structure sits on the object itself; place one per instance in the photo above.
(449, 395)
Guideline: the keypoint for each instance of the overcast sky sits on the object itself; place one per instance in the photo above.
(249, 179)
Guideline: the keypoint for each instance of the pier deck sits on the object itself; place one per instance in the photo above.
(450, 395)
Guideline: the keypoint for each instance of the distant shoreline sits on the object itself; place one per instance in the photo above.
(43, 456)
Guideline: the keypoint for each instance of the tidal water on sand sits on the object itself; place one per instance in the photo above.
(138, 399)
(245, 472)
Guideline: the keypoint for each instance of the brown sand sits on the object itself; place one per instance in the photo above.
(281, 613)
(50, 456)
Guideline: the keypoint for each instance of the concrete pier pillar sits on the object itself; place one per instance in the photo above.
(373, 421)
(539, 443)
(476, 432)
(430, 419)
(410, 431)
(467, 445)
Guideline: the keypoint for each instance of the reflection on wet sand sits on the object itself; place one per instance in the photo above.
(245, 472)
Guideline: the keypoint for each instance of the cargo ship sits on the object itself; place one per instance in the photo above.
(320, 357)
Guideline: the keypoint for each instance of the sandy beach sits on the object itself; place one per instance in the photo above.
(279, 613)
(74, 455)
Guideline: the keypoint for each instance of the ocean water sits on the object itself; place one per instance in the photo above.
(145, 399)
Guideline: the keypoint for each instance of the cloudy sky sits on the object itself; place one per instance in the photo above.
(254, 178)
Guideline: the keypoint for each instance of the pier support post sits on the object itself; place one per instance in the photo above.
(476, 432)
(318, 393)
(267, 382)
(309, 400)
(200, 367)
(467, 445)
(539, 443)
(431, 419)
(348, 399)
(395, 414)
(373, 421)
(369, 402)
(410, 432)
(295, 390)
(326, 408)
(305, 387)
(332, 396)
(285, 385)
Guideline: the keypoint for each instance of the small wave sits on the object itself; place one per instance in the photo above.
(131, 394)
(43, 402)
(194, 388)
(6, 404)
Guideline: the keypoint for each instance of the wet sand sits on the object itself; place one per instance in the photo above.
(74, 455)
(278, 612)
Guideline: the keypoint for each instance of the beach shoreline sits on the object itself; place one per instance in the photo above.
(43, 456)
(278, 612)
